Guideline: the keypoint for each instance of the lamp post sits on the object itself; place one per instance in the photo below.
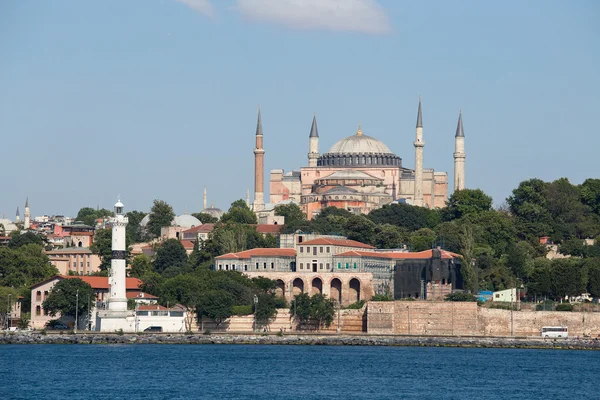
(339, 327)
(76, 310)
(511, 312)
(255, 308)
(8, 312)
(408, 308)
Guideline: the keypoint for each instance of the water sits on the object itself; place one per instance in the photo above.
(293, 372)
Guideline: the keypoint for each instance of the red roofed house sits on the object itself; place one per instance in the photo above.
(41, 290)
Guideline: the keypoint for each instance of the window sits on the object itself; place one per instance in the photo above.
(256, 265)
(321, 249)
(81, 264)
(226, 267)
(328, 249)
(321, 266)
(301, 249)
(74, 264)
(339, 265)
(245, 267)
(301, 265)
(264, 265)
(308, 249)
(272, 265)
(88, 264)
(159, 313)
(143, 313)
(315, 251)
(346, 265)
(45, 294)
(38, 296)
(354, 265)
(38, 310)
(176, 313)
(220, 266)
(327, 266)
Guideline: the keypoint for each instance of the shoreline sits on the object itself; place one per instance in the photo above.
(311, 339)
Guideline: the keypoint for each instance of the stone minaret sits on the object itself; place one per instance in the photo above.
(248, 197)
(259, 167)
(313, 145)
(27, 215)
(419, 144)
(117, 298)
(459, 156)
(18, 215)
(205, 203)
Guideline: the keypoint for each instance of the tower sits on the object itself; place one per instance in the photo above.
(259, 166)
(459, 155)
(18, 216)
(419, 144)
(117, 300)
(313, 144)
(27, 215)
(248, 197)
(205, 199)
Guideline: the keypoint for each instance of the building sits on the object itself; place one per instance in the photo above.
(77, 260)
(100, 284)
(170, 319)
(508, 295)
(358, 173)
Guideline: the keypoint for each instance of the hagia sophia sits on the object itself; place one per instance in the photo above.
(358, 173)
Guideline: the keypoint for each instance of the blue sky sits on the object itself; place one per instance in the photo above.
(157, 98)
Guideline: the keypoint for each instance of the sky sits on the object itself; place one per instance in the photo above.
(155, 99)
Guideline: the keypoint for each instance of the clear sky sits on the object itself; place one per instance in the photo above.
(157, 98)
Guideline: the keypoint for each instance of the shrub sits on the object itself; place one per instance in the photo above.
(382, 297)
(280, 302)
(242, 310)
(280, 333)
(564, 307)
(207, 332)
(460, 297)
(547, 305)
(43, 332)
(503, 305)
(356, 306)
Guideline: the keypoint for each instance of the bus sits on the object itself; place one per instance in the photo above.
(555, 332)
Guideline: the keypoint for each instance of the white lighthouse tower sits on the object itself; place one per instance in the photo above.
(116, 316)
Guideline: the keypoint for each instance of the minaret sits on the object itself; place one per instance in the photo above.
(313, 144)
(205, 199)
(27, 214)
(419, 144)
(459, 155)
(259, 166)
(117, 300)
(18, 216)
(248, 197)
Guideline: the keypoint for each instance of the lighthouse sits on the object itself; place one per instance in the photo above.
(118, 299)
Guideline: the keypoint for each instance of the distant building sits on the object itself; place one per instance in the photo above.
(77, 260)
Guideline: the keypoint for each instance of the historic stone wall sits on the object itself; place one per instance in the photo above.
(456, 318)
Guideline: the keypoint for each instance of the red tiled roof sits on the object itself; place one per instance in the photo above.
(187, 244)
(101, 282)
(151, 307)
(269, 252)
(268, 228)
(201, 228)
(138, 295)
(422, 255)
(338, 242)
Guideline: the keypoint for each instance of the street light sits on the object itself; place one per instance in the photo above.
(8, 312)
(255, 308)
(76, 309)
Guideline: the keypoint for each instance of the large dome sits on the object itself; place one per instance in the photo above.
(359, 150)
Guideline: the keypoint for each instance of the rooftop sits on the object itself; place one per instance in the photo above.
(420, 255)
(338, 242)
(267, 252)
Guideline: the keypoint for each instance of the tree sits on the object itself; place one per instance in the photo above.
(520, 259)
(88, 215)
(24, 266)
(360, 228)
(102, 246)
(140, 266)
(466, 202)
(388, 236)
(301, 306)
(63, 299)
(198, 258)
(265, 310)
(134, 231)
(423, 239)
(185, 290)
(594, 277)
(569, 278)
(216, 305)
(459, 297)
(291, 212)
(161, 215)
(25, 238)
(409, 217)
(239, 213)
(590, 194)
(330, 221)
(317, 308)
(528, 204)
(171, 253)
(205, 218)
(5, 292)
(467, 250)
(494, 229)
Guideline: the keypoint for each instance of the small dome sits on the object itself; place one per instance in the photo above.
(119, 204)
(214, 212)
(186, 221)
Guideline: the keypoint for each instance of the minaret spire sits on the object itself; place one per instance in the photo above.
(313, 143)
(259, 167)
(205, 202)
(419, 144)
(27, 215)
(248, 197)
(459, 155)
(18, 216)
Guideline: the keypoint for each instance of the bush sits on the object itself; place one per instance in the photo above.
(242, 310)
(503, 305)
(564, 307)
(280, 333)
(460, 297)
(280, 302)
(382, 297)
(356, 306)
(43, 332)
(207, 332)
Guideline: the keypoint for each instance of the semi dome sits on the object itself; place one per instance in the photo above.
(359, 150)
(185, 220)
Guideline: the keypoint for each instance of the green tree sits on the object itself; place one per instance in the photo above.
(24, 266)
(494, 229)
(135, 233)
(321, 310)
(205, 218)
(459, 297)
(569, 278)
(467, 250)
(330, 221)
(291, 212)
(423, 239)
(590, 194)
(102, 246)
(171, 253)
(185, 290)
(88, 215)
(63, 299)
(528, 204)
(301, 306)
(540, 281)
(265, 310)
(388, 236)
(25, 238)
(593, 266)
(466, 202)
(360, 228)
(520, 259)
(239, 213)
(198, 258)
(216, 305)
(161, 215)
(405, 216)
(140, 266)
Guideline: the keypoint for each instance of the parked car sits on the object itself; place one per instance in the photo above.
(56, 325)
(153, 329)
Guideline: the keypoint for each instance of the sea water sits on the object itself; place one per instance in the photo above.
(293, 372)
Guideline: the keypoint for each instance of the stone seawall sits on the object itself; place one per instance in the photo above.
(327, 340)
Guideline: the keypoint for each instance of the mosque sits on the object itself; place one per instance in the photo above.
(358, 173)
